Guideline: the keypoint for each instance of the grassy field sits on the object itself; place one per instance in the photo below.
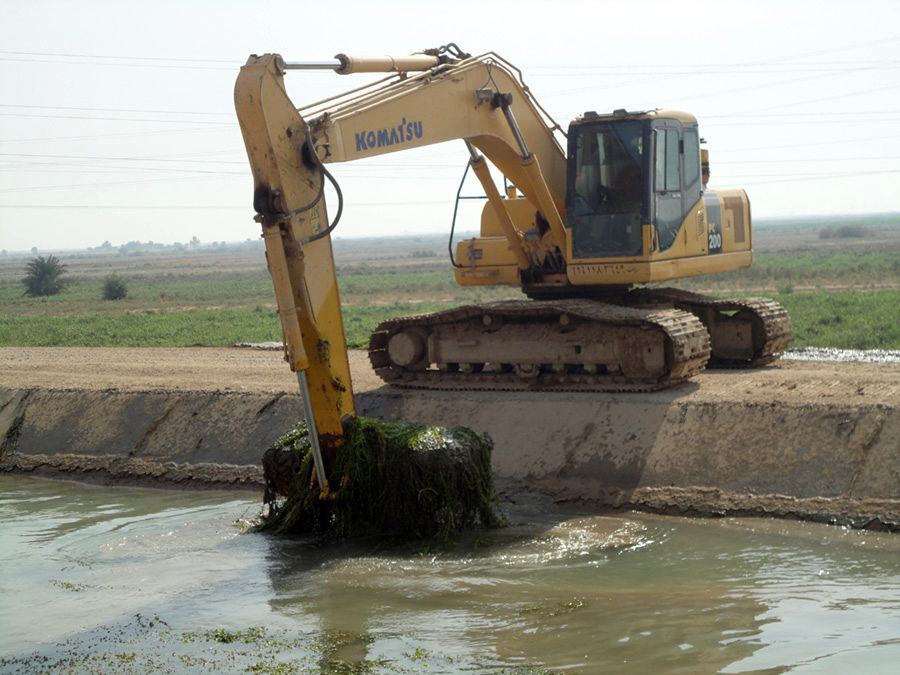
(840, 291)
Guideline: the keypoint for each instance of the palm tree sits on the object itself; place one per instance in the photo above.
(43, 276)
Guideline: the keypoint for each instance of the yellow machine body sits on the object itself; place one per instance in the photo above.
(712, 235)
(625, 203)
(724, 214)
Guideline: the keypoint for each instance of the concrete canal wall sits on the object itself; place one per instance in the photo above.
(676, 452)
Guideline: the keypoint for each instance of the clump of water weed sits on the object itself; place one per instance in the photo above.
(405, 480)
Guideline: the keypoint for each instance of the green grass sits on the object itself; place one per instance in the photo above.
(848, 320)
(143, 293)
(851, 319)
(869, 266)
(841, 295)
(147, 329)
(836, 266)
(182, 329)
(871, 220)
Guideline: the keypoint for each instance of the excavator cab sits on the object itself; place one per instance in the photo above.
(626, 170)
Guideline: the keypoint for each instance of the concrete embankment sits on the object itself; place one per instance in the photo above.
(195, 439)
(797, 440)
(833, 462)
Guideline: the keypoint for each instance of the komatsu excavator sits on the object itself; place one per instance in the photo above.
(578, 229)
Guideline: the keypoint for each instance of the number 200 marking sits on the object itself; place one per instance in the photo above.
(715, 240)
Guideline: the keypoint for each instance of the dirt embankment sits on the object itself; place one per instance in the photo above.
(809, 439)
(214, 369)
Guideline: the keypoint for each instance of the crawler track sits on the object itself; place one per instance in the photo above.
(744, 332)
(569, 345)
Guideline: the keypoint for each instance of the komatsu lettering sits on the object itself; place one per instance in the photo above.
(402, 133)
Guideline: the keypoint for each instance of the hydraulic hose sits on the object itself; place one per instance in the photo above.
(337, 188)
(455, 209)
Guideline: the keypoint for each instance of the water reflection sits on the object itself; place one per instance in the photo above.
(166, 576)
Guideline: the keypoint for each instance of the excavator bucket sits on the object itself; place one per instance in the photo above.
(404, 480)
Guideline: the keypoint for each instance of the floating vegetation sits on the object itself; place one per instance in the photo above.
(69, 586)
(554, 609)
(406, 480)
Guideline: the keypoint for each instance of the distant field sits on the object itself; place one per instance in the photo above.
(839, 292)
(846, 320)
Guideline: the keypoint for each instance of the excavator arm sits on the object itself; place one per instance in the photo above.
(288, 199)
(480, 100)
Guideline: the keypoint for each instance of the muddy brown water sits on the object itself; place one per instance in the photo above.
(111, 579)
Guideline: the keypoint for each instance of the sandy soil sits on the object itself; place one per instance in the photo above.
(259, 371)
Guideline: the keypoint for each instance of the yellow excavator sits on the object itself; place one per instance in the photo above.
(578, 228)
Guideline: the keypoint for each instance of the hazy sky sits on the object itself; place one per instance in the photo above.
(117, 120)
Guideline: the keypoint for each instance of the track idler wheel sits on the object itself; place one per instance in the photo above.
(408, 348)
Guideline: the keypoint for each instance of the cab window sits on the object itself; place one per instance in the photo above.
(668, 172)
(691, 157)
(606, 190)
(676, 186)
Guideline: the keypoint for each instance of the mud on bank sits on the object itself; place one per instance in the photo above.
(801, 439)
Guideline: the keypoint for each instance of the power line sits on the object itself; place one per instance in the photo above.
(126, 110)
(169, 59)
(812, 177)
(795, 176)
(118, 134)
(128, 207)
(817, 144)
(100, 185)
(812, 159)
(820, 100)
(851, 113)
(832, 50)
(664, 75)
(657, 73)
(749, 180)
(736, 124)
(126, 58)
(246, 207)
(119, 169)
(766, 85)
(114, 119)
(231, 68)
(652, 68)
(118, 159)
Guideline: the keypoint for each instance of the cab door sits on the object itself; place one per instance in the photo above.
(668, 202)
(676, 177)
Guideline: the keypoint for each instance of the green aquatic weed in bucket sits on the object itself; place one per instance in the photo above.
(407, 480)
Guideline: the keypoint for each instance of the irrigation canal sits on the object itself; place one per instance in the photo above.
(114, 579)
